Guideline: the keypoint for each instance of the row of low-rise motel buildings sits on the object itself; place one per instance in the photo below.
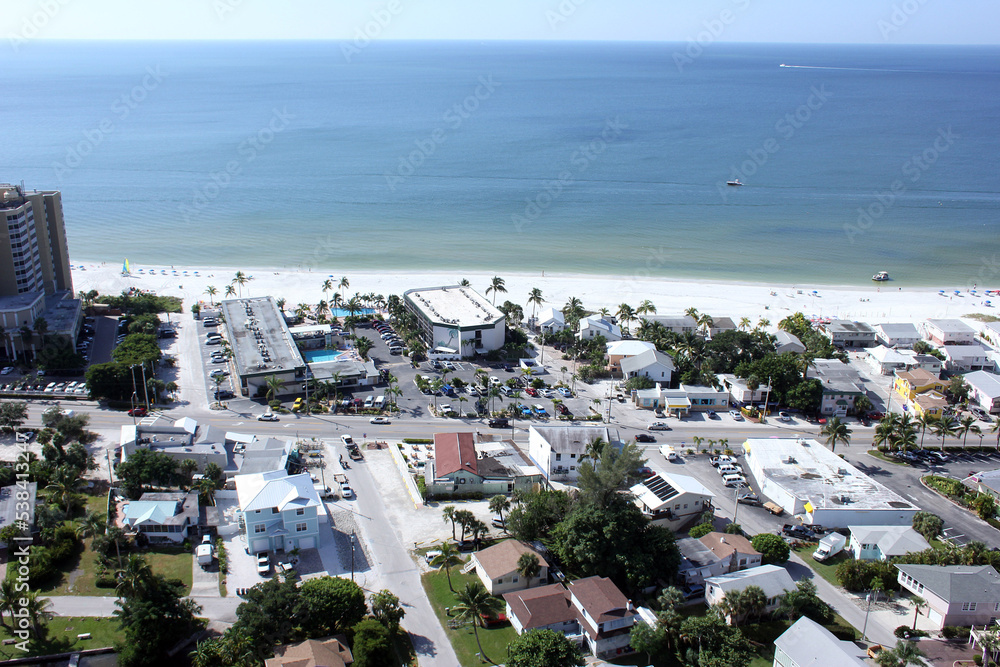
(35, 278)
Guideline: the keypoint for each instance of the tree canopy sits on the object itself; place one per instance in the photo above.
(543, 648)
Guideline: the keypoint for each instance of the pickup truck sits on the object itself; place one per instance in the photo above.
(354, 452)
(797, 532)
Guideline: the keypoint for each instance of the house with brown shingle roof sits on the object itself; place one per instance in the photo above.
(461, 465)
(606, 616)
(734, 550)
(496, 566)
(542, 608)
(332, 652)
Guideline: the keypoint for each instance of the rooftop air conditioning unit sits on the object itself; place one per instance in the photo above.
(842, 471)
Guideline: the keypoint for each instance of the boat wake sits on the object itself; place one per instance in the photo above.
(856, 69)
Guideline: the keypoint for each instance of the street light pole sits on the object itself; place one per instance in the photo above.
(352, 556)
(864, 630)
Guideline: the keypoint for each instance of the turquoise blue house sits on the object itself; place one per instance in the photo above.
(281, 512)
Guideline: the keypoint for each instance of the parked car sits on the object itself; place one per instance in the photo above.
(497, 523)
(7, 370)
(298, 404)
(223, 394)
(564, 392)
(735, 414)
(218, 372)
(263, 564)
(531, 391)
(644, 437)
(346, 491)
(347, 440)
(749, 499)
(784, 416)
(539, 410)
(716, 461)
(797, 532)
(712, 415)
(563, 410)
(644, 472)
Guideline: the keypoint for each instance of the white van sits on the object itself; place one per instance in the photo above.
(729, 469)
(734, 480)
(395, 349)
(380, 402)
(370, 401)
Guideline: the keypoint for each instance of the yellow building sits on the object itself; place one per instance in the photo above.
(918, 381)
(931, 402)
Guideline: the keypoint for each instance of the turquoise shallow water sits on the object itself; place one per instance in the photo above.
(579, 158)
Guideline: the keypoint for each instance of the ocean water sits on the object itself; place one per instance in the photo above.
(564, 157)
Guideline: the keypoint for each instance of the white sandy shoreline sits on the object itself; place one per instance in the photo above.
(875, 303)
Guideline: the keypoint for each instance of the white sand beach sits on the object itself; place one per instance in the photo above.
(882, 302)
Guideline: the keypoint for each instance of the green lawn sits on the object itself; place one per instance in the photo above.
(826, 569)
(61, 636)
(494, 640)
(171, 563)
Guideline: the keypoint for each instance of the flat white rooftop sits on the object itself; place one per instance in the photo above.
(810, 471)
(454, 305)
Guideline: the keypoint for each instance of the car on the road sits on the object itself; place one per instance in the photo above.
(137, 412)
(644, 437)
(669, 453)
(979, 414)
(735, 414)
(564, 392)
(267, 417)
(263, 564)
(499, 423)
(346, 491)
(659, 426)
(749, 499)
(784, 416)
(379, 420)
(7, 370)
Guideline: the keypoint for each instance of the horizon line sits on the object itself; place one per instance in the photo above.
(499, 40)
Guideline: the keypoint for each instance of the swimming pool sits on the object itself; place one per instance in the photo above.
(317, 356)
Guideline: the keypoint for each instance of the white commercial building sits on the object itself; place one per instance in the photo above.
(903, 334)
(556, 450)
(809, 480)
(456, 320)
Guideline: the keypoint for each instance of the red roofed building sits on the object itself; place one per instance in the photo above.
(460, 465)
(605, 614)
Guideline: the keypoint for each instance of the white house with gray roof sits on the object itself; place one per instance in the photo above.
(960, 595)
(551, 320)
(672, 500)
(653, 364)
(949, 332)
(984, 389)
(884, 542)
(809, 644)
(596, 325)
(772, 579)
(680, 324)
(281, 512)
(556, 450)
(965, 358)
(985, 482)
(899, 335)
(786, 342)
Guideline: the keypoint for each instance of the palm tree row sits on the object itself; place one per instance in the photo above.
(899, 432)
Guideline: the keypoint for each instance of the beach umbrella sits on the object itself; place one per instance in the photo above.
(958, 291)
(815, 292)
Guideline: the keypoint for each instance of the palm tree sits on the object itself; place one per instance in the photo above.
(535, 299)
(280, 302)
(706, 322)
(528, 566)
(498, 505)
(134, 576)
(925, 420)
(37, 609)
(211, 291)
(448, 557)
(240, 279)
(995, 428)
(762, 324)
(904, 439)
(905, 653)
(92, 523)
(945, 426)
(918, 602)
(625, 314)
(692, 313)
(230, 290)
(8, 599)
(63, 488)
(744, 323)
(836, 431)
(968, 424)
(884, 432)
(573, 310)
(497, 286)
(343, 285)
(327, 286)
(646, 308)
(41, 327)
(475, 605)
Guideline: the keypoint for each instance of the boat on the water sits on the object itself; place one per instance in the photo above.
(881, 276)
(734, 182)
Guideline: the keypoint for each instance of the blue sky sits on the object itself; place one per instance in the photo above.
(831, 21)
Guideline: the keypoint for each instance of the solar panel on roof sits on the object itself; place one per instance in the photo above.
(660, 488)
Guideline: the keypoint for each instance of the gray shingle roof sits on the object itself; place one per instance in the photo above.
(809, 644)
(957, 583)
(646, 359)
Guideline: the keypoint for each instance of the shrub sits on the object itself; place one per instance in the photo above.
(955, 632)
(105, 582)
(733, 529)
(905, 632)
(928, 524)
(977, 658)
(773, 549)
(701, 530)
(422, 486)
